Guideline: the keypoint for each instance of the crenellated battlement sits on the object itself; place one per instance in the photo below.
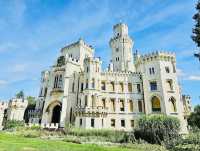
(94, 60)
(18, 103)
(158, 55)
(72, 60)
(78, 43)
(121, 73)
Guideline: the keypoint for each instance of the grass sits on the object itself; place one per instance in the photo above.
(10, 142)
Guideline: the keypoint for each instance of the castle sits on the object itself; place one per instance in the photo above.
(12, 110)
(76, 90)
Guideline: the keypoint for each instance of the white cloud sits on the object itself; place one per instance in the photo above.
(3, 82)
(19, 67)
(194, 77)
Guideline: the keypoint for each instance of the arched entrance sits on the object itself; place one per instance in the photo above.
(56, 114)
(155, 104)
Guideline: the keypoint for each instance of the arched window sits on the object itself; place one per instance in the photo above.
(155, 104)
(173, 104)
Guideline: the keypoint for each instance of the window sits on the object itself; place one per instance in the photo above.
(121, 87)
(73, 87)
(155, 104)
(117, 58)
(103, 85)
(132, 123)
(122, 123)
(80, 121)
(113, 105)
(93, 83)
(92, 122)
(167, 69)
(174, 67)
(81, 87)
(55, 81)
(60, 82)
(93, 101)
(138, 88)
(112, 86)
(104, 103)
(45, 92)
(87, 69)
(112, 122)
(86, 86)
(102, 123)
(173, 104)
(122, 105)
(130, 106)
(140, 106)
(86, 100)
(153, 86)
(129, 87)
(151, 71)
(117, 49)
(169, 85)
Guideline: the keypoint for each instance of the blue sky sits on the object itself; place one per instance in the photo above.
(33, 31)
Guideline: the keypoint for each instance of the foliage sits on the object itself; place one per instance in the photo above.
(11, 124)
(194, 118)
(20, 94)
(31, 106)
(158, 129)
(61, 61)
(106, 135)
(196, 29)
(189, 143)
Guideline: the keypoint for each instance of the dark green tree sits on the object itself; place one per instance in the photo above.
(194, 118)
(196, 29)
(31, 106)
(20, 94)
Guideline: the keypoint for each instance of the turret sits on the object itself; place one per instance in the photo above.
(121, 45)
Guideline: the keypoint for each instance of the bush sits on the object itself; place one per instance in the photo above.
(157, 129)
(189, 143)
(11, 124)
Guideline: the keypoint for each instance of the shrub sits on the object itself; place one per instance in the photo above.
(194, 118)
(189, 143)
(11, 124)
(158, 128)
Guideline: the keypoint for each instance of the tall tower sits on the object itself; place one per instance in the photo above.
(121, 45)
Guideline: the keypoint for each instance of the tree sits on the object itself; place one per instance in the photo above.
(196, 29)
(31, 106)
(194, 118)
(20, 94)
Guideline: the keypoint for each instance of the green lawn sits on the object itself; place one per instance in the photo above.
(9, 142)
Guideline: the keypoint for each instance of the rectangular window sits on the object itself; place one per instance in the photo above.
(86, 100)
(121, 87)
(81, 87)
(122, 105)
(103, 85)
(153, 86)
(122, 123)
(92, 122)
(138, 88)
(129, 87)
(132, 123)
(112, 122)
(81, 121)
(140, 106)
(93, 83)
(130, 105)
(113, 105)
(86, 84)
(104, 103)
(73, 87)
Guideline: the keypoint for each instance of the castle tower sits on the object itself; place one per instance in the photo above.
(121, 45)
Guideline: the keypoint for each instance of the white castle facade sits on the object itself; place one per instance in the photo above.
(76, 90)
(12, 110)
